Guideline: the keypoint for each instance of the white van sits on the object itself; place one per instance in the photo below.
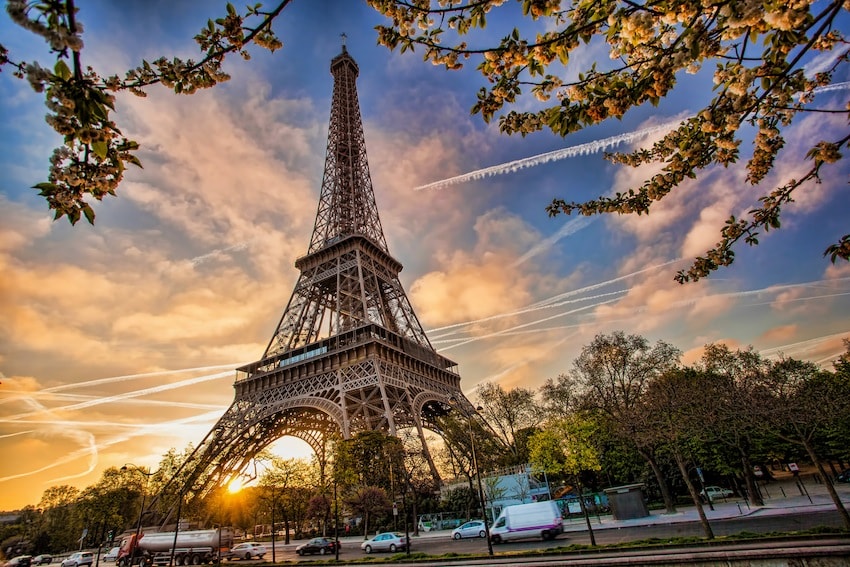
(538, 519)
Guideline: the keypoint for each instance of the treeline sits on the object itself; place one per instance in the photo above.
(626, 411)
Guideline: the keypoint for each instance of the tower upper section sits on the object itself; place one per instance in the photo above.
(347, 201)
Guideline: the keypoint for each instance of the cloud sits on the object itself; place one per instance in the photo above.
(477, 283)
(779, 334)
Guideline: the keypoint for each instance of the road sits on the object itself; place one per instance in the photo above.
(440, 545)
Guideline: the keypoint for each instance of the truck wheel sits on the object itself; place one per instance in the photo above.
(544, 535)
(496, 538)
(197, 560)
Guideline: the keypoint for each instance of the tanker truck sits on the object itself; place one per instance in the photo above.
(193, 547)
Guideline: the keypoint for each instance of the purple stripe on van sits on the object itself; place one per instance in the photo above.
(543, 527)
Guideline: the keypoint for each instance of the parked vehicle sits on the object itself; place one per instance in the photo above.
(19, 561)
(193, 547)
(387, 541)
(715, 493)
(247, 551)
(843, 476)
(79, 558)
(112, 555)
(43, 559)
(320, 545)
(538, 519)
(475, 528)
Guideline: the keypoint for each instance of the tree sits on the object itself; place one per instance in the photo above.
(510, 414)
(59, 518)
(286, 486)
(94, 154)
(368, 501)
(806, 402)
(759, 51)
(566, 445)
(675, 401)
(614, 371)
(740, 416)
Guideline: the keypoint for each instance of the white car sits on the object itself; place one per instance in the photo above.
(112, 555)
(475, 528)
(387, 541)
(715, 493)
(79, 558)
(246, 551)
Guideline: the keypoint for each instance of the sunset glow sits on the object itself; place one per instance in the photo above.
(119, 341)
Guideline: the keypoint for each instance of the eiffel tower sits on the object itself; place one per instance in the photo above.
(349, 353)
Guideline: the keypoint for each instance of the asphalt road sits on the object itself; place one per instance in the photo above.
(754, 523)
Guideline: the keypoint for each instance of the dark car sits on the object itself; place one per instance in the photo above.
(43, 559)
(843, 476)
(20, 561)
(320, 545)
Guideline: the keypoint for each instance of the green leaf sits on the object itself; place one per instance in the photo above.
(45, 187)
(100, 148)
(89, 212)
(62, 70)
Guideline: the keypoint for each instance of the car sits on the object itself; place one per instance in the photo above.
(246, 551)
(320, 545)
(20, 561)
(79, 558)
(387, 541)
(475, 528)
(112, 555)
(715, 492)
(43, 559)
(843, 476)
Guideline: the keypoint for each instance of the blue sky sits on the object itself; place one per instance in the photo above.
(119, 340)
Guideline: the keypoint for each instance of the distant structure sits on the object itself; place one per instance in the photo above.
(349, 353)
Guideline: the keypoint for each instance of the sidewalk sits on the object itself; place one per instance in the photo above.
(781, 497)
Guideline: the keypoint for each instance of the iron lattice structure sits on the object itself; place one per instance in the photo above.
(349, 353)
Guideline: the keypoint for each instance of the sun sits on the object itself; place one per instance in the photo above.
(235, 485)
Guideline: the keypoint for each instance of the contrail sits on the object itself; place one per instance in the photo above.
(544, 319)
(133, 394)
(209, 255)
(588, 148)
(804, 344)
(530, 309)
(125, 377)
(582, 149)
(639, 309)
(569, 228)
(556, 298)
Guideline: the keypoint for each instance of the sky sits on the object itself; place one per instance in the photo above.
(118, 341)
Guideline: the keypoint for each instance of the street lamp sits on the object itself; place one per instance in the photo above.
(454, 403)
(148, 474)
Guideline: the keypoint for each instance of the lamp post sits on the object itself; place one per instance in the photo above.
(454, 403)
(148, 474)
(176, 527)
